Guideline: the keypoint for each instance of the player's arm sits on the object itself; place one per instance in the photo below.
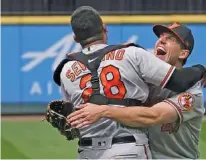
(65, 96)
(177, 109)
(142, 116)
(130, 116)
(155, 71)
(57, 72)
(190, 103)
(63, 92)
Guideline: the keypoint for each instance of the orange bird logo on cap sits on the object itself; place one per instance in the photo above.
(174, 25)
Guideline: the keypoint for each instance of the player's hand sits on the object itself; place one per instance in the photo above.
(203, 81)
(87, 114)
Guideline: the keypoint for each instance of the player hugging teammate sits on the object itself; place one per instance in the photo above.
(107, 92)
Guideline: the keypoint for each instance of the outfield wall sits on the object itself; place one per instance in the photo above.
(31, 49)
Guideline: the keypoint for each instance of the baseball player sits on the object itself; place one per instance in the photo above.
(190, 111)
(99, 74)
(175, 123)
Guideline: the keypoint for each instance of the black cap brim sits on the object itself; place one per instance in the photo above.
(159, 29)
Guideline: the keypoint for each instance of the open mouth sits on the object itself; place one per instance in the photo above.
(161, 51)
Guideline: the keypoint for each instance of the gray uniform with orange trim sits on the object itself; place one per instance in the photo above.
(123, 74)
(178, 139)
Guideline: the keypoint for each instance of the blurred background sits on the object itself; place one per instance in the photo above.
(36, 35)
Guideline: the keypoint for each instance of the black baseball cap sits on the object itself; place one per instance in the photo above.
(183, 33)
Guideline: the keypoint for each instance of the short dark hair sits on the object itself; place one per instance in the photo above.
(185, 60)
(87, 25)
(182, 46)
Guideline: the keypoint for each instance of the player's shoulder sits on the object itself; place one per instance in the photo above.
(196, 89)
(134, 48)
(135, 51)
(67, 66)
(193, 97)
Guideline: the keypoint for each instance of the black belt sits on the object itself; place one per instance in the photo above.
(88, 141)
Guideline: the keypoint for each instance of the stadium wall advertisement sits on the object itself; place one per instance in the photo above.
(31, 52)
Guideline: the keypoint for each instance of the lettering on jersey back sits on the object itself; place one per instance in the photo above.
(83, 67)
(70, 75)
(76, 69)
(114, 55)
(110, 77)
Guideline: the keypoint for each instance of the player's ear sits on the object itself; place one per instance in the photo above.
(184, 54)
(104, 28)
(75, 39)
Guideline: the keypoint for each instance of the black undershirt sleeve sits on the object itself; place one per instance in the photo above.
(184, 78)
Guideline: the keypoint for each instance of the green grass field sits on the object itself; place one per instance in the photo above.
(38, 140)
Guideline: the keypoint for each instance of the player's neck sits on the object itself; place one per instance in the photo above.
(178, 65)
(94, 43)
